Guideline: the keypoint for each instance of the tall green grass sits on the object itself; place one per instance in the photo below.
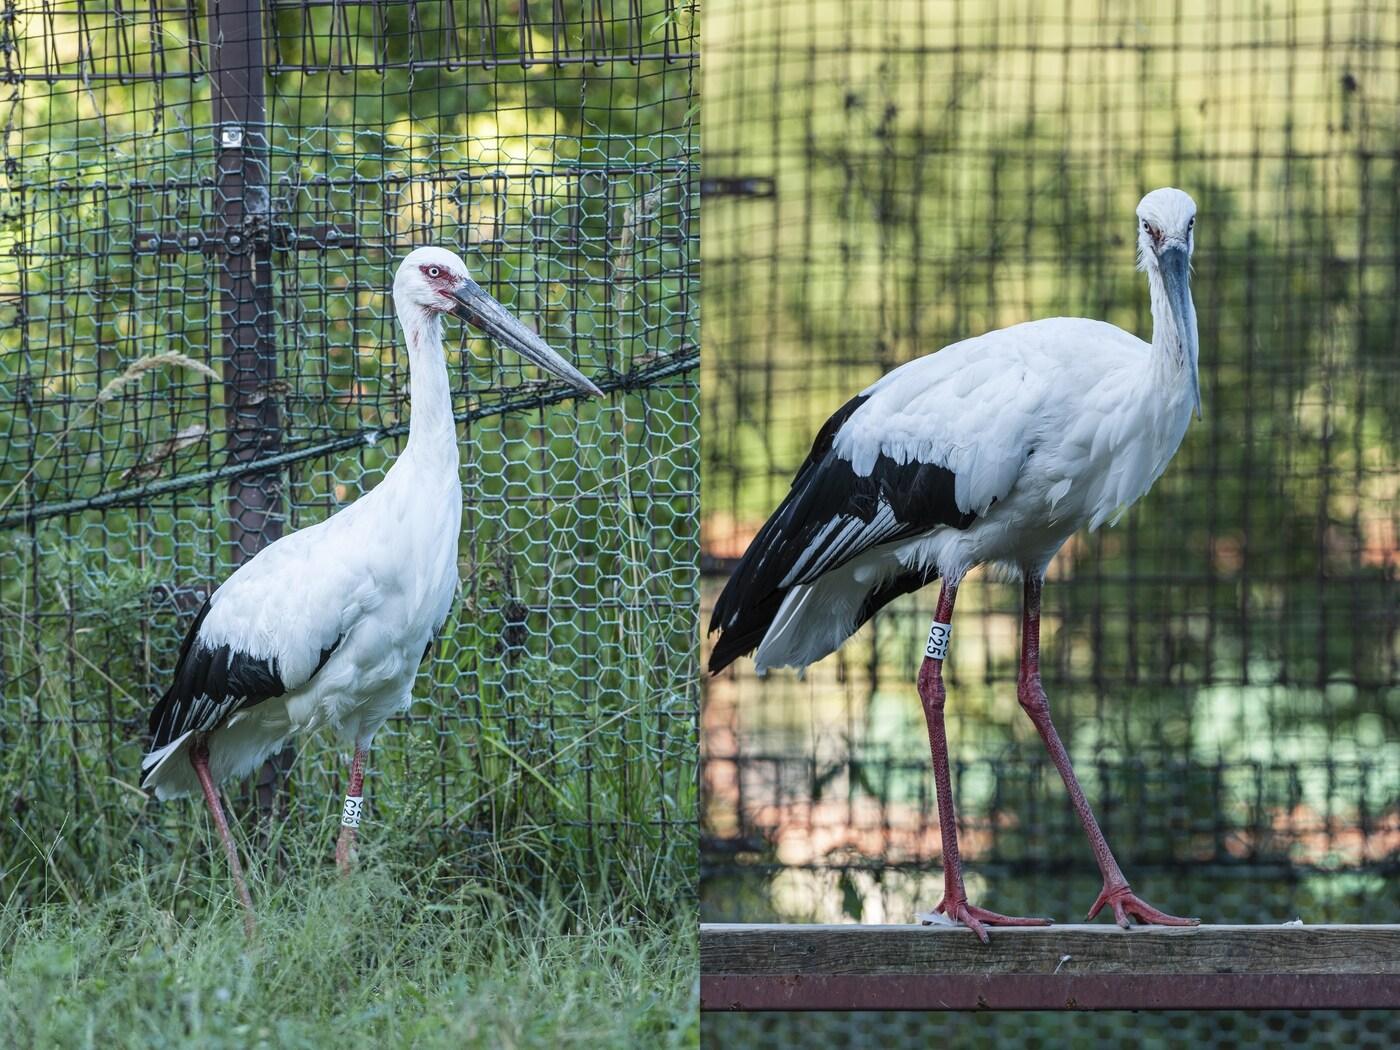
(398, 954)
(551, 746)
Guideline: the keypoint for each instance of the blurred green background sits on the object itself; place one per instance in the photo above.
(885, 177)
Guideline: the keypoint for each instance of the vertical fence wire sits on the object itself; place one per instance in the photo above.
(885, 177)
(555, 147)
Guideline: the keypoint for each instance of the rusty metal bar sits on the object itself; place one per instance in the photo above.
(245, 282)
(1030, 992)
(524, 399)
(278, 237)
(237, 70)
(1072, 967)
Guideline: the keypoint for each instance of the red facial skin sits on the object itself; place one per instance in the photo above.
(443, 283)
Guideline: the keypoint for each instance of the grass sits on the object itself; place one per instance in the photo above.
(396, 954)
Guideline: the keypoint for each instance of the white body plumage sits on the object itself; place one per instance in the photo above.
(1049, 427)
(327, 626)
(992, 451)
(379, 576)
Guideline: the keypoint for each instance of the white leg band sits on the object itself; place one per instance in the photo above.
(939, 634)
(350, 815)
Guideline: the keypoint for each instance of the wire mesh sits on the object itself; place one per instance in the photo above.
(199, 353)
(884, 177)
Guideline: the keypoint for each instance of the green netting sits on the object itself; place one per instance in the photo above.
(554, 724)
(885, 177)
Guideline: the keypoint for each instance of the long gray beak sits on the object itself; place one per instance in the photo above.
(480, 310)
(1175, 265)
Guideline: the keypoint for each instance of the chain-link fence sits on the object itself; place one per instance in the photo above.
(202, 213)
(884, 177)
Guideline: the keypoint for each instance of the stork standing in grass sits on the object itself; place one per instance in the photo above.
(993, 451)
(327, 626)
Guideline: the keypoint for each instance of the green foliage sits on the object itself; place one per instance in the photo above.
(551, 747)
(917, 203)
(1221, 662)
(581, 787)
(399, 953)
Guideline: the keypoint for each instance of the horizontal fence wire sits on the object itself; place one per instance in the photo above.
(96, 42)
(886, 177)
(553, 729)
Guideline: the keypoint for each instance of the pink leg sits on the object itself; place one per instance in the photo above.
(347, 830)
(1116, 891)
(199, 758)
(954, 903)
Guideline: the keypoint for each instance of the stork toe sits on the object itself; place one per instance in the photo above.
(977, 919)
(1128, 906)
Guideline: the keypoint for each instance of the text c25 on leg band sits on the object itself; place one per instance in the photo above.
(939, 634)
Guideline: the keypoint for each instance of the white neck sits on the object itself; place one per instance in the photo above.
(432, 432)
(1170, 367)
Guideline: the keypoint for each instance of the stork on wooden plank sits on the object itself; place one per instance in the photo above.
(992, 451)
(327, 626)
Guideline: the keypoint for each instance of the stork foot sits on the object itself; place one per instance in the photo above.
(977, 919)
(1128, 906)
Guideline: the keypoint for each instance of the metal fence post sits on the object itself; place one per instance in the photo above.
(237, 69)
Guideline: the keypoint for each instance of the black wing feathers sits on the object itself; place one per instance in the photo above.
(905, 583)
(326, 655)
(209, 685)
(212, 683)
(746, 631)
(731, 599)
(830, 515)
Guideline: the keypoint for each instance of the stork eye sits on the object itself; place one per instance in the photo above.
(434, 271)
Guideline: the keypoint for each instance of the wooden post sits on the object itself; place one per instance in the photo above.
(237, 70)
(1095, 967)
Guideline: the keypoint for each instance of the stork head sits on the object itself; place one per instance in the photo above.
(1166, 237)
(1166, 221)
(435, 281)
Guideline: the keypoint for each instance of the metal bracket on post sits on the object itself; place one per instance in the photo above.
(237, 70)
(256, 232)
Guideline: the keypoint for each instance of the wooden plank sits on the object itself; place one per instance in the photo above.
(1102, 948)
(1087, 967)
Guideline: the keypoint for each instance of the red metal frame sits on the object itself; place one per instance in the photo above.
(1049, 992)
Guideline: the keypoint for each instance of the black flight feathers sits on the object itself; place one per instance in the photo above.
(918, 497)
(212, 683)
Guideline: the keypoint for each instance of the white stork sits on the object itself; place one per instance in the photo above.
(992, 451)
(327, 626)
